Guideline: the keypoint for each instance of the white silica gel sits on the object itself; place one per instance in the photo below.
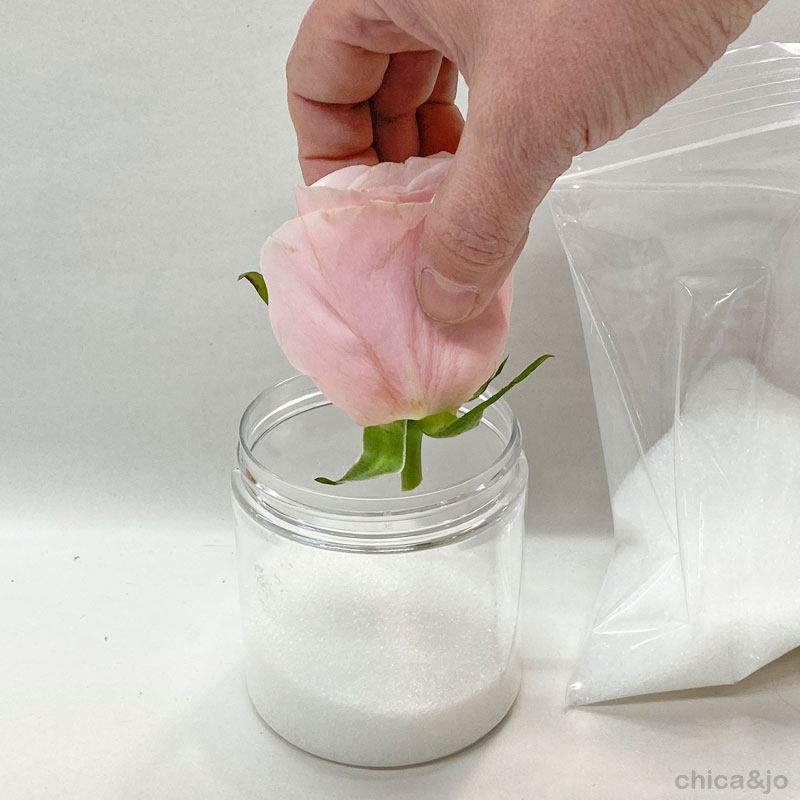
(704, 585)
(375, 660)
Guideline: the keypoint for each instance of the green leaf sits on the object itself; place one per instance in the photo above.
(411, 476)
(260, 285)
(383, 452)
(485, 386)
(472, 418)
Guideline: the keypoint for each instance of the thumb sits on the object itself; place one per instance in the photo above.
(478, 222)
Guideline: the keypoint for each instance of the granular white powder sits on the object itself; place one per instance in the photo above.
(704, 586)
(379, 659)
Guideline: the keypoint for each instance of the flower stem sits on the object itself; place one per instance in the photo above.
(411, 476)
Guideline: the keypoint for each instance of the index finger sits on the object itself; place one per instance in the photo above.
(336, 65)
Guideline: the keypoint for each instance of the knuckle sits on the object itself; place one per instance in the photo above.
(478, 245)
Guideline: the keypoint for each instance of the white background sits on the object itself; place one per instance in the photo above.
(145, 153)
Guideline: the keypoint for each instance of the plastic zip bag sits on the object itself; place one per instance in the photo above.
(683, 238)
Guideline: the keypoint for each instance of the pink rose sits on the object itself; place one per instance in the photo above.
(343, 305)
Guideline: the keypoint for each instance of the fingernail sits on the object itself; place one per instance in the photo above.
(444, 299)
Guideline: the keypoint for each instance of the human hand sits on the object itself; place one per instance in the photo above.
(375, 80)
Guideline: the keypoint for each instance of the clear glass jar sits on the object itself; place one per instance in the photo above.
(380, 627)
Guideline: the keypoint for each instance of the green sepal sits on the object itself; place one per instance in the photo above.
(485, 386)
(383, 452)
(435, 422)
(397, 446)
(258, 282)
(439, 429)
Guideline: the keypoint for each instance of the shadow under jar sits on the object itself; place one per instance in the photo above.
(380, 626)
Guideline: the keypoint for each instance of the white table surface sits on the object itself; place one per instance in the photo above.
(145, 153)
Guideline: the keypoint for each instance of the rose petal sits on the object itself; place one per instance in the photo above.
(413, 181)
(343, 306)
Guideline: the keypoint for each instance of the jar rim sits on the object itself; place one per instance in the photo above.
(438, 514)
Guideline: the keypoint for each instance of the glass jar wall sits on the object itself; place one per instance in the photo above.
(380, 626)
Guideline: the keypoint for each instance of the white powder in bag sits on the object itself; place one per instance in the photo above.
(704, 585)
